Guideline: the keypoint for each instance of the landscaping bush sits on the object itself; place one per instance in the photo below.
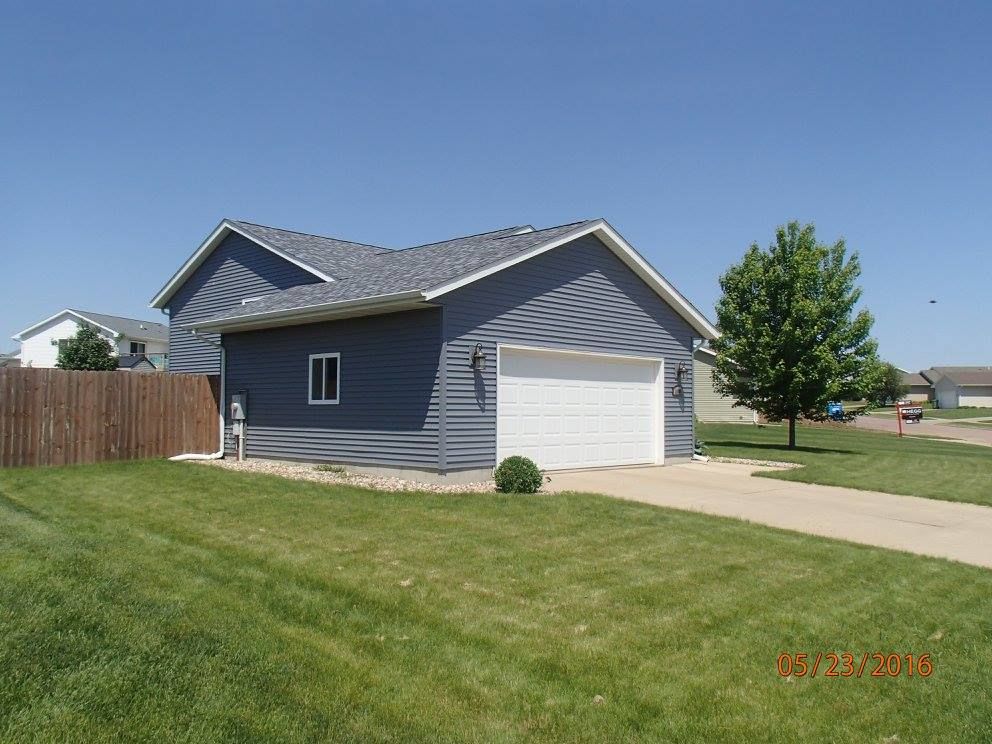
(518, 474)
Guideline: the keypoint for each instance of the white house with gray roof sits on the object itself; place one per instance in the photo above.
(562, 344)
(129, 338)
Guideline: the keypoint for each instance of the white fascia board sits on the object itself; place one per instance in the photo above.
(207, 247)
(59, 314)
(623, 250)
(310, 313)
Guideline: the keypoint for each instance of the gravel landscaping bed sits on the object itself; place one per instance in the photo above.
(310, 472)
(762, 463)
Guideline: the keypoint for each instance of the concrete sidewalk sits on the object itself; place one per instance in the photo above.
(961, 532)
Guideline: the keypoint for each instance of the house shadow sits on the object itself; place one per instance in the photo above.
(480, 392)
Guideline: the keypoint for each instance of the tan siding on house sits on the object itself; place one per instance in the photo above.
(709, 405)
(919, 393)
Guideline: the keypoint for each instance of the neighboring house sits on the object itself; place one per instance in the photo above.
(10, 359)
(710, 406)
(956, 387)
(561, 344)
(919, 387)
(40, 342)
(135, 363)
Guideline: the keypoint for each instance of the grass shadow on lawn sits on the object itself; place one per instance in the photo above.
(867, 460)
(781, 447)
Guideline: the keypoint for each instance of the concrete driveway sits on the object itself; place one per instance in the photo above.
(961, 532)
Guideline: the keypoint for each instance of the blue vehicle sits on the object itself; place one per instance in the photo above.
(835, 411)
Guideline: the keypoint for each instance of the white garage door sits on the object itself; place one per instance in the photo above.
(567, 410)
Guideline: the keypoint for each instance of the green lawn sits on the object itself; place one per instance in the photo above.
(177, 602)
(983, 424)
(958, 413)
(857, 458)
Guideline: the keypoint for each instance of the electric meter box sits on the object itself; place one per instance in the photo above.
(239, 406)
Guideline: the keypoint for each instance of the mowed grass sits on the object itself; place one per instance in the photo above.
(958, 413)
(869, 460)
(983, 424)
(178, 602)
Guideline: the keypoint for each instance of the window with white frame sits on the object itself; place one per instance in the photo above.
(325, 378)
(137, 347)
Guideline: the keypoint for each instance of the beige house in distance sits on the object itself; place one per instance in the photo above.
(920, 388)
(708, 404)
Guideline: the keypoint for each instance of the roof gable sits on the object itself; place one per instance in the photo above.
(620, 247)
(306, 249)
(112, 324)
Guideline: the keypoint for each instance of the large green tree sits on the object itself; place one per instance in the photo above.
(86, 350)
(890, 387)
(790, 340)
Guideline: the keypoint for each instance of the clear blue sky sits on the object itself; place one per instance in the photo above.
(129, 131)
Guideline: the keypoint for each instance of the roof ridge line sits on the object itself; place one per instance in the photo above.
(459, 237)
(119, 317)
(309, 235)
(545, 229)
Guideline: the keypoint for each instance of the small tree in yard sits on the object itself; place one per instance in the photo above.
(789, 343)
(87, 350)
(890, 386)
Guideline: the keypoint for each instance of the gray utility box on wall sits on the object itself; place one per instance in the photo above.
(239, 406)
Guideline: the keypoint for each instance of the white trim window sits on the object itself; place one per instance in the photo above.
(137, 347)
(325, 379)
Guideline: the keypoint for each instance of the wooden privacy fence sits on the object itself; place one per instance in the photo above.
(58, 417)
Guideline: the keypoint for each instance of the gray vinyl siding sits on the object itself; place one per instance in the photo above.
(579, 296)
(238, 269)
(388, 409)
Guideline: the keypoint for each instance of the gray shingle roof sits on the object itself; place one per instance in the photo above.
(130, 327)
(336, 258)
(914, 378)
(131, 361)
(410, 269)
(965, 375)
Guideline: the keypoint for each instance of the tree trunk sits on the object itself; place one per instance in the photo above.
(792, 432)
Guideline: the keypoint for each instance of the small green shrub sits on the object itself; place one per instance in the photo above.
(339, 469)
(518, 474)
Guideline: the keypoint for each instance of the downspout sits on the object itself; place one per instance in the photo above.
(220, 408)
(692, 362)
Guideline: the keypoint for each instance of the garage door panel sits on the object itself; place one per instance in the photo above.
(508, 394)
(571, 411)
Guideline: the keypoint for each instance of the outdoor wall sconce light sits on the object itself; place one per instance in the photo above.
(478, 358)
(680, 372)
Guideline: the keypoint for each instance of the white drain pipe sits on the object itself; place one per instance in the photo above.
(220, 405)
